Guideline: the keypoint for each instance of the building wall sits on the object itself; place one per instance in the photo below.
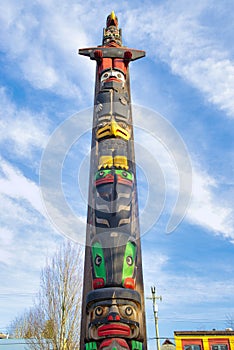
(214, 340)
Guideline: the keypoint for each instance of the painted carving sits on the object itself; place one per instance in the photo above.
(113, 292)
(114, 260)
(115, 344)
(113, 202)
(113, 312)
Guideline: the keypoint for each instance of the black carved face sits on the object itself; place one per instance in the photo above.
(113, 204)
(112, 108)
(108, 181)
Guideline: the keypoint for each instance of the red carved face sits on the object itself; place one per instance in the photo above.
(113, 318)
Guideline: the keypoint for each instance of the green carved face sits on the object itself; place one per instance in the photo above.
(129, 261)
(102, 173)
(98, 261)
(124, 174)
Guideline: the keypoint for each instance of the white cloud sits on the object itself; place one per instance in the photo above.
(186, 295)
(207, 209)
(26, 239)
(42, 41)
(217, 79)
(21, 131)
(209, 206)
(6, 236)
(25, 234)
(39, 72)
(15, 185)
(178, 34)
(7, 239)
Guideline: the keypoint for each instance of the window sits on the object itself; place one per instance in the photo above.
(192, 344)
(195, 347)
(219, 344)
(219, 347)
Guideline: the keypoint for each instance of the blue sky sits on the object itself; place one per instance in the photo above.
(187, 77)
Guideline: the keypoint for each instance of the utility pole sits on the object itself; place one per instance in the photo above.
(155, 309)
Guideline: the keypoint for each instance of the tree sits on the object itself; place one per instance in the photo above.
(54, 321)
(230, 321)
(23, 326)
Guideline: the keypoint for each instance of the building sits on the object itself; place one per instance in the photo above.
(13, 344)
(167, 345)
(204, 340)
(3, 335)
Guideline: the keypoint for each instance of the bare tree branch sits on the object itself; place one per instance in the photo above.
(230, 320)
(54, 321)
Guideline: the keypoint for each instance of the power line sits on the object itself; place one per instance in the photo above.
(180, 319)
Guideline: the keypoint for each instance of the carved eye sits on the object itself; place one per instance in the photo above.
(101, 125)
(128, 311)
(101, 173)
(119, 75)
(123, 125)
(98, 311)
(129, 260)
(98, 260)
(105, 76)
(124, 174)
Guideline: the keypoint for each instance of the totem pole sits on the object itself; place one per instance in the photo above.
(113, 315)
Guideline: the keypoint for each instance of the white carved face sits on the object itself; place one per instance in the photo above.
(112, 74)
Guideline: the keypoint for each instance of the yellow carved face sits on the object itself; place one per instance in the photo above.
(113, 129)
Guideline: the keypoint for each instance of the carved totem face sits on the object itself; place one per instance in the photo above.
(113, 260)
(112, 36)
(112, 107)
(120, 181)
(112, 75)
(113, 317)
(111, 127)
